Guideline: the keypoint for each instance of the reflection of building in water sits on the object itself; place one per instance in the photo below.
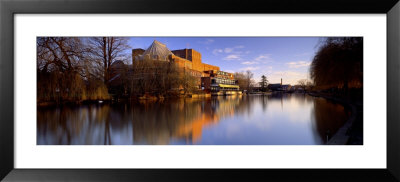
(210, 78)
(183, 120)
(207, 114)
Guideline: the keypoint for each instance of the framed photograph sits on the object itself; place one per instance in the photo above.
(134, 90)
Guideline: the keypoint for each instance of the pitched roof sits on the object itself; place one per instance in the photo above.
(157, 51)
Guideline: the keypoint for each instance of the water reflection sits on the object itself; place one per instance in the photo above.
(279, 119)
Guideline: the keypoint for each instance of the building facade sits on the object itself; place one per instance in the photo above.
(219, 81)
(210, 78)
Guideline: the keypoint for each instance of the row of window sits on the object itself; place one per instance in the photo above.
(222, 73)
(223, 81)
(218, 88)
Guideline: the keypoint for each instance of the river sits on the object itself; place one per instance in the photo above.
(278, 119)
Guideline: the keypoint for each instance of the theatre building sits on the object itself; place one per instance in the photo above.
(210, 78)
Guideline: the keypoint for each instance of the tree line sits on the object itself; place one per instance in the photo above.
(79, 69)
(338, 66)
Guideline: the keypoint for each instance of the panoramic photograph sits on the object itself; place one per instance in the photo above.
(199, 91)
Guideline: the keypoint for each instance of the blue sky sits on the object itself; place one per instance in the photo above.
(288, 58)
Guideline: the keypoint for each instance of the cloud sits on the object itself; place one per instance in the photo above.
(263, 57)
(288, 76)
(250, 68)
(217, 51)
(232, 57)
(233, 49)
(250, 62)
(207, 41)
(228, 50)
(298, 64)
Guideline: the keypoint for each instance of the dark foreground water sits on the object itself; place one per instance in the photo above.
(280, 119)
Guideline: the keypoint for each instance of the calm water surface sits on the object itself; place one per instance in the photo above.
(279, 119)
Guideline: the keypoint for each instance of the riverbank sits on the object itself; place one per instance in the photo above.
(146, 97)
(351, 133)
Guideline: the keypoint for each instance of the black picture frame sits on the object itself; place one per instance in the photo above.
(9, 8)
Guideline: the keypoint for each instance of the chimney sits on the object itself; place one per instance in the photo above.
(281, 81)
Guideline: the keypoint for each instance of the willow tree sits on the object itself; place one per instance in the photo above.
(338, 63)
(59, 68)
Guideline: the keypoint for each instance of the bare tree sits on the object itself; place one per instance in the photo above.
(249, 79)
(156, 77)
(241, 79)
(302, 83)
(310, 85)
(245, 80)
(188, 82)
(59, 53)
(59, 67)
(106, 50)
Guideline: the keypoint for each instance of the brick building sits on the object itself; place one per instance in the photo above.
(210, 78)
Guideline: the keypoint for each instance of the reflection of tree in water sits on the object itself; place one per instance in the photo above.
(72, 125)
(146, 123)
(328, 118)
(177, 121)
(55, 124)
(264, 102)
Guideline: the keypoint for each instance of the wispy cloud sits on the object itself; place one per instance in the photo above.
(250, 62)
(288, 76)
(250, 68)
(229, 50)
(298, 64)
(234, 49)
(263, 57)
(207, 41)
(217, 51)
(231, 57)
